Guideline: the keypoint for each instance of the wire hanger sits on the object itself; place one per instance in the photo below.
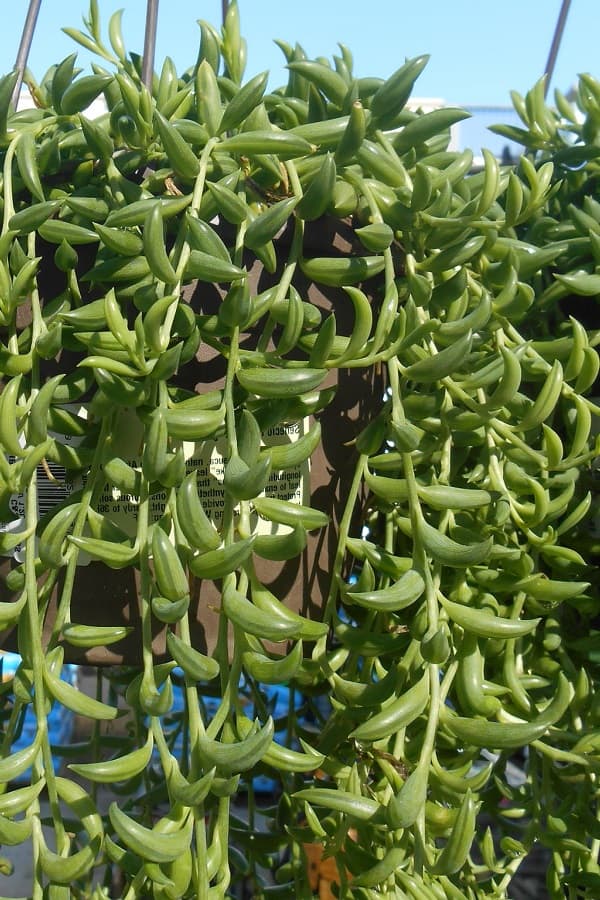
(24, 47)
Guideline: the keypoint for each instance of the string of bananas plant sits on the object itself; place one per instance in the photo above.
(458, 630)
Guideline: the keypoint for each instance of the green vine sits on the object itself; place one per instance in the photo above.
(321, 391)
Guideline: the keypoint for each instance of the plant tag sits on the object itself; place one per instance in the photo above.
(206, 457)
(53, 487)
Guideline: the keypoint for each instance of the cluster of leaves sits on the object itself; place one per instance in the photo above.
(450, 635)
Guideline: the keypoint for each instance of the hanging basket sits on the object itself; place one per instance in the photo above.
(107, 597)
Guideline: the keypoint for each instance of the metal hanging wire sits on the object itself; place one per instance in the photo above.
(24, 47)
(27, 38)
(149, 43)
(555, 46)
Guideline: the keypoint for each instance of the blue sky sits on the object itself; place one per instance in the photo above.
(479, 52)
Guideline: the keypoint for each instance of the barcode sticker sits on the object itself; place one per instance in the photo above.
(52, 487)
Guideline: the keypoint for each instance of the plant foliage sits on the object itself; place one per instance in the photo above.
(455, 642)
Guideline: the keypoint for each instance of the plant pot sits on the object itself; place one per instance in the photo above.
(103, 596)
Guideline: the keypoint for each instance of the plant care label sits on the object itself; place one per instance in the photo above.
(208, 458)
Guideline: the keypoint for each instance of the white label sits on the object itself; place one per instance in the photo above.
(206, 457)
(209, 461)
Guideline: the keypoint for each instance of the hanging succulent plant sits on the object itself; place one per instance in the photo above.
(204, 292)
